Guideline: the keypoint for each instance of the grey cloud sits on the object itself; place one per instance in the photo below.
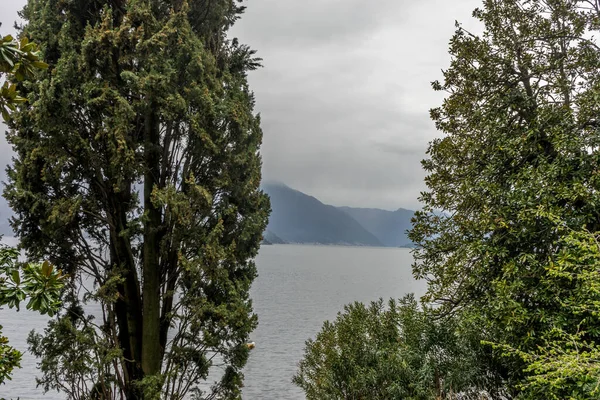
(338, 147)
(344, 175)
(8, 14)
(344, 93)
(401, 150)
(319, 22)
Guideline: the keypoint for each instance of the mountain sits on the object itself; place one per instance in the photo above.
(389, 227)
(300, 218)
(271, 238)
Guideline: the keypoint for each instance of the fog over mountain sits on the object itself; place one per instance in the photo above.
(299, 218)
(389, 227)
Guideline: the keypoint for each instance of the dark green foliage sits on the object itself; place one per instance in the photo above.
(10, 358)
(40, 283)
(565, 365)
(75, 357)
(395, 352)
(137, 170)
(515, 173)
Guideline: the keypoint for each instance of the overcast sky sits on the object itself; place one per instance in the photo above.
(344, 93)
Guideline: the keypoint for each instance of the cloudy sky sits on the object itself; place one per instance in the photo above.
(344, 93)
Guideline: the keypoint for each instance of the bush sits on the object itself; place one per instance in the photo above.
(396, 352)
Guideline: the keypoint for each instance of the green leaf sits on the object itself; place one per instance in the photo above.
(47, 269)
(40, 65)
(16, 277)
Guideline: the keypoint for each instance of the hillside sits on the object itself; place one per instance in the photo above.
(299, 218)
(271, 238)
(389, 227)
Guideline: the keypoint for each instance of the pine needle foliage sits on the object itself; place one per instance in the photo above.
(137, 169)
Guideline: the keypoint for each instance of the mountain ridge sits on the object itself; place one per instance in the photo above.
(299, 218)
(390, 227)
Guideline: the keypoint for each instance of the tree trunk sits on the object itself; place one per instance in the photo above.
(127, 306)
(151, 349)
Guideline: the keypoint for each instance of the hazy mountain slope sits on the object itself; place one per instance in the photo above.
(388, 226)
(299, 218)
(270, 237)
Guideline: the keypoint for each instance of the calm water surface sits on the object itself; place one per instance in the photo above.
(298, 288)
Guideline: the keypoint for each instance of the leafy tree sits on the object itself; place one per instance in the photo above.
(137, 168)
(395, 352)
(41, 283)
(521, 144)
(566, 365)
(18, 60)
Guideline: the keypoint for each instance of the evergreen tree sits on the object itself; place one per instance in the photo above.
(516, 169)
(137, 169)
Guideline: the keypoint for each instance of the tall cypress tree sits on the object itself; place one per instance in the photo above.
(137, 171)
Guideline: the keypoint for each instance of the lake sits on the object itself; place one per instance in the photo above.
(298, 288)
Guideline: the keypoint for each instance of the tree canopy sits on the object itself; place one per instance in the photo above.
(398, 351)
(137, 170)
(516, 175)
